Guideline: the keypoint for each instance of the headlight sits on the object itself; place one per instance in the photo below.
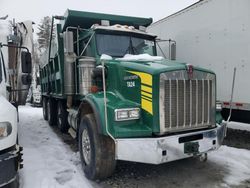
(127, 114)
(5, 129)
(218, 106)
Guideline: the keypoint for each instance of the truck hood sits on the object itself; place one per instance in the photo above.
(156, 67)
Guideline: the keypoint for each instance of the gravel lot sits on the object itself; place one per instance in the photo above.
(218, 171)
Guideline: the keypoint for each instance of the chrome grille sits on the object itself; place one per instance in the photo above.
(186, 104)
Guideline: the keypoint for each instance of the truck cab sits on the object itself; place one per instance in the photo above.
(10, 151)
(15, 69)
(104, 84)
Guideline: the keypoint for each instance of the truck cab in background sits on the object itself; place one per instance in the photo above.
(34, 96)
(103, 83)
(15, 69)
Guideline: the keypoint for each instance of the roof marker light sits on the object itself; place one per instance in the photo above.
(105, 22)
(142, 28)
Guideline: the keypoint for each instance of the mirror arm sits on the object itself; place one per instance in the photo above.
(16, 90)
(51, 35)
(13, 46)
(51, 32)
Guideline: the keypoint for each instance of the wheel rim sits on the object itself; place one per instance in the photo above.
(86, 148)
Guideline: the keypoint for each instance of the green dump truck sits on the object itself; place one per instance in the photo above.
(104, 84)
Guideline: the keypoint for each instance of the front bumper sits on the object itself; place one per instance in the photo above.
(170, 148)
(10, 162)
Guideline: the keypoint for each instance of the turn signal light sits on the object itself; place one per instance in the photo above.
(94, 89)
(127, 114)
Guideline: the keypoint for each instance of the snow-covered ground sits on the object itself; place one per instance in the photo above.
(236, 163)
(48, 162)
(51, 163)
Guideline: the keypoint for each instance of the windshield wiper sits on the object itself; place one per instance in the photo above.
(131, 49)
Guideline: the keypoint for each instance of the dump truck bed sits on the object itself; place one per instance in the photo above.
(87, 19)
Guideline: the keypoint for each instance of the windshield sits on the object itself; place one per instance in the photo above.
(119, 45)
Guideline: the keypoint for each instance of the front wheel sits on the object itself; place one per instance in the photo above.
(97, 151)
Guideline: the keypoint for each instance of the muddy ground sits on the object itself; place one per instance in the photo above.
(238, 139)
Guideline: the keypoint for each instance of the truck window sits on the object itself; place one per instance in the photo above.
(119, 45)
(88, 51)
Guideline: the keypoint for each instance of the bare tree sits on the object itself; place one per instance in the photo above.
(44, 33)
(4, 17)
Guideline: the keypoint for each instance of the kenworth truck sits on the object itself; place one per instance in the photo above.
(15, 67)
(103, 83)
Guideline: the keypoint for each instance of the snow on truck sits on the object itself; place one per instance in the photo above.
(15, 67)
(215, 34)
(128, 104)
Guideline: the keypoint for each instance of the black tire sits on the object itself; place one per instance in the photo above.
(101, 163)
(62, 117)
(14, 184)
(31, 100)
(45, 110)
(52, 111)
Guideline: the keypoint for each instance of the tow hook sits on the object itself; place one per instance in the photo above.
(203, 157)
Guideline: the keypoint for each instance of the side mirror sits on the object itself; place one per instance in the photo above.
(8, 88)
(26, 62)
(26, 79)
(173, 51)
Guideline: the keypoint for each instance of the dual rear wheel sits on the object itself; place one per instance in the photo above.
(45, 111)
(62, 117)
(97, 151)
(56, 113)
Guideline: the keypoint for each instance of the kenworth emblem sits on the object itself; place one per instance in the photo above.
(190, 70)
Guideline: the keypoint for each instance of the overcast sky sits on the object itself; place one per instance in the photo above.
(35, 10)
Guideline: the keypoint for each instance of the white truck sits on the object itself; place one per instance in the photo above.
(15, 69)
(214, 34)
(35, 97)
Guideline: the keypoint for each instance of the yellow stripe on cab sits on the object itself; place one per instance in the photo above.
(146, 90)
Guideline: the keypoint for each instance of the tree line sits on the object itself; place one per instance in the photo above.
(43, 33)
